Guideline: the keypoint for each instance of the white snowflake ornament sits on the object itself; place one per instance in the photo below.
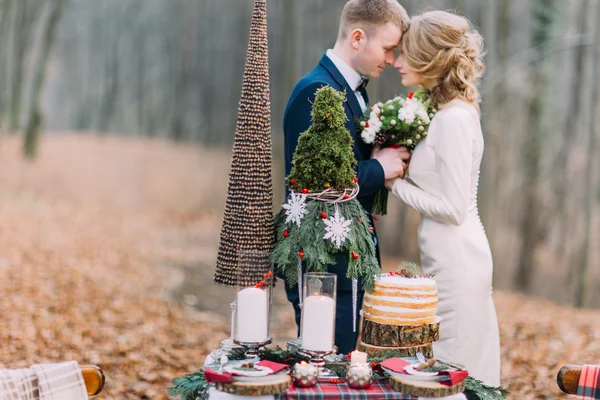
(337, 229)
(295, 208)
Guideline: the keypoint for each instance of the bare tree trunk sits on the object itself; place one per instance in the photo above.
(583, 279)
(26, 10)
(569, 132)
(530, 223)
(5, 6)
(35, 117)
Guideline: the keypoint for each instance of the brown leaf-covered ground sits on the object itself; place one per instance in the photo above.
(107, 250)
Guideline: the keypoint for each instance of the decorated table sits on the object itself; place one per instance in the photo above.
(378, 390)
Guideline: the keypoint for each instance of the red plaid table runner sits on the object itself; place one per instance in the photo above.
(379, 390)
(589, 383)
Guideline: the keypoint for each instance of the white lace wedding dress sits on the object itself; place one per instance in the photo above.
(445, 171)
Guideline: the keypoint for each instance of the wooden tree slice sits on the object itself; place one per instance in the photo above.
(424, 388)
(399, 335)
(270, 388)
(411, 351)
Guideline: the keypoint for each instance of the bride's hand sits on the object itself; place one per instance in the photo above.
(389, 183)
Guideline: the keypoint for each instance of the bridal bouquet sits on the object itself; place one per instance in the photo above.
(401, 121)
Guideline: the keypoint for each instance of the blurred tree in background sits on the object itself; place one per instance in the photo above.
(173, 69)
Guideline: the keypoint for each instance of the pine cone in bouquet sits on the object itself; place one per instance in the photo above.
(381, 138)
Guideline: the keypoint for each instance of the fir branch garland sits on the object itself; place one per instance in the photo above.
(190, 387)
(477, 390)
(319, 253)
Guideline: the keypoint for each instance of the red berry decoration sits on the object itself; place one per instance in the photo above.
(293, 181)
(346, 196)
(305, 190)
(371, 229)
(323, 215)
(286, 233)
(301, 253)
(355, 180)
(360, 219)
(262, 283)
(328, 186)
(355, 255)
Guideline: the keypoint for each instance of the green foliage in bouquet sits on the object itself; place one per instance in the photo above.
(324, 157)
(402, 121)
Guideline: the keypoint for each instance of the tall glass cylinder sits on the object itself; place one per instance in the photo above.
(318, 311)
(253, 300)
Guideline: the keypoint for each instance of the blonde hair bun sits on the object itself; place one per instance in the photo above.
(447, 52)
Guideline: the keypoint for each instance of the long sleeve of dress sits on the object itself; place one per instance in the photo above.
(453, 146)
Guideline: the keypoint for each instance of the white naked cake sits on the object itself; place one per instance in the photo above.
(400, 314)
(397, 300)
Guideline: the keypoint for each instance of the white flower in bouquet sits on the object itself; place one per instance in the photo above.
(411, 109)
(368, 135)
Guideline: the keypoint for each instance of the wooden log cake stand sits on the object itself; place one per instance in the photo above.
(406, 340)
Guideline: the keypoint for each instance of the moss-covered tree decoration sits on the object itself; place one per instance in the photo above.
(322, 218)
(324, 157)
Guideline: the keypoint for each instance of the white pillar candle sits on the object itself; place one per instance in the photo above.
(252, 311)
(318, 319)
(358, 357)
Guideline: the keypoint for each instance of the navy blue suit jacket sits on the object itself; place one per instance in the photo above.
(297, 119)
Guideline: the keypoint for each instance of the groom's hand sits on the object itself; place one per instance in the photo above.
(391, 160)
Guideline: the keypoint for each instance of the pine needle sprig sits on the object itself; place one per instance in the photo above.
(190, 387)
(477, 390)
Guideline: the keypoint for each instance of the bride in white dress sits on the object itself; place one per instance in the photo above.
(441, 52)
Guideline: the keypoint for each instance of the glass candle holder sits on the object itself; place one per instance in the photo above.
(359, 375)
(304, 374)
(253, 301)
(317, 326)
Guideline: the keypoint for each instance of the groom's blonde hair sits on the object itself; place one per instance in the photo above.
(370, 14)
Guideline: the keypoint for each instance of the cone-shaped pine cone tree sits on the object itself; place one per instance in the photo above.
(324, 156)
(248, 218)
(314, 226)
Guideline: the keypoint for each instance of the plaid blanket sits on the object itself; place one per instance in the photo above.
(589, 383)
(62, 381)
(379, 390)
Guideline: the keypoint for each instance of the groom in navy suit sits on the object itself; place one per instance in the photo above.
(369, 32)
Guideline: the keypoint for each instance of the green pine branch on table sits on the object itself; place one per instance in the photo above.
(190, 387)
(477, 390)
